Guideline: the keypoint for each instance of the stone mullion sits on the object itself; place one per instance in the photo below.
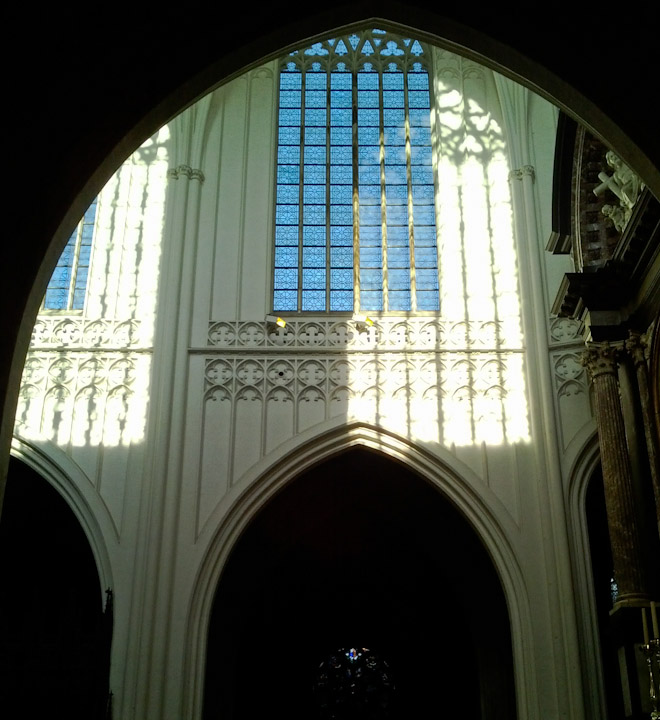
(635, 347)
(617, 476)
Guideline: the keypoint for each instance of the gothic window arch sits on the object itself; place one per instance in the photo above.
(68, 284)
(355, 225)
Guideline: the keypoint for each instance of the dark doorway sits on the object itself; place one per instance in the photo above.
(54, 639)
(360, 552)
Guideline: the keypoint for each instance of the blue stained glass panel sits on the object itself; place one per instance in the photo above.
(393, 81)
(428, 299)
(341, 80)
(420, 155)
(315, 117)
(371, 279)
(290, 81)
(371, 257)
(341, 194)
(313, 235)
(369, 155)
(367, 99)
(341, 99)
(315, 155)
(341, 300)
(370, 235)
(286, 235)
(370, 215)
(397, 235)
(395, 155)
(341, 174)
(422, 174)
(315, 81)
(290, 98)
(341, 257)
(287, 214)
(315, 136)
(394, 117)
(341, 214)
(393, 99)
(313, 300)
(425, 236)
(396, 175)
(369, 194)
(427, 279)
(425, 257)
(289, 135)
(398, 257)
(419, 118)
(285, 300)
(368, 117)
(286, 257)
(341, 235)
(288, 154)
(342, 117)
(423, 194)
(314, 257)
(418, 81)
(288, 173)
(341, 136)
(397, 215)
(286, 278)
(314, 174)
(394, 136)
(396, 194)
(424, 215)
(399, 300)
(420, 136)
(369, 174)
(290, 116)
(315, 99)
(314, 214)
(341, 155)
(341, 279)
(418, 99)
(371, 300)
(367, 81)
(314, 194)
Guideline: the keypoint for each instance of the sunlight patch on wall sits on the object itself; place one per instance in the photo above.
(87, 374)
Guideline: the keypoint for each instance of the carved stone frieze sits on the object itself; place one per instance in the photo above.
(76, 332)
(389, 333)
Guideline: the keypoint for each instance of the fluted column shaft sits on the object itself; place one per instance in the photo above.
(635, 346)
(617, 475)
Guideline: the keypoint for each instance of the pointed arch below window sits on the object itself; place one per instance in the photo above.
(355, 225)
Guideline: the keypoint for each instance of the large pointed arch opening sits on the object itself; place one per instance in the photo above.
(359, 551)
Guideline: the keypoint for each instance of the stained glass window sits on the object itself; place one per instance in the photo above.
(355, 216)
(68, 283)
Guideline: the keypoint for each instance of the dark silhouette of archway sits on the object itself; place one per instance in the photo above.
(54, 634)
(360, 552)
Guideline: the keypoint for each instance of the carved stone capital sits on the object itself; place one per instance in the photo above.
(185, 171)
(636, 345)
(520, 173)
(601, 359)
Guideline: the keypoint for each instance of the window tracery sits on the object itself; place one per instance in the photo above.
(355, 215)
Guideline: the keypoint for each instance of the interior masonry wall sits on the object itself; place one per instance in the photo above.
(174, 410)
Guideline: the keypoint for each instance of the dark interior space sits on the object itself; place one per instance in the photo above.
(54, 639)
(360, 552)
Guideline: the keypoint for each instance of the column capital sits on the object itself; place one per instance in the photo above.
(636, 345)
(520, 173)
(601, 358)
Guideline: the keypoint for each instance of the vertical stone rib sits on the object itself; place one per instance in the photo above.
(635, 346)
(617, 475)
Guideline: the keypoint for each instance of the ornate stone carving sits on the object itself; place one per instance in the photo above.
(75, 332)
(421, 333)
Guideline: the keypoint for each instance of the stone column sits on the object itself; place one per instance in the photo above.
(636, 346)
(600, 359)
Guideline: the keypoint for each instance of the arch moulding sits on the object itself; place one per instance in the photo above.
(441, 470)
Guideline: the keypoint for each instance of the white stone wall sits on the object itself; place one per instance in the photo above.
(184, 411)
